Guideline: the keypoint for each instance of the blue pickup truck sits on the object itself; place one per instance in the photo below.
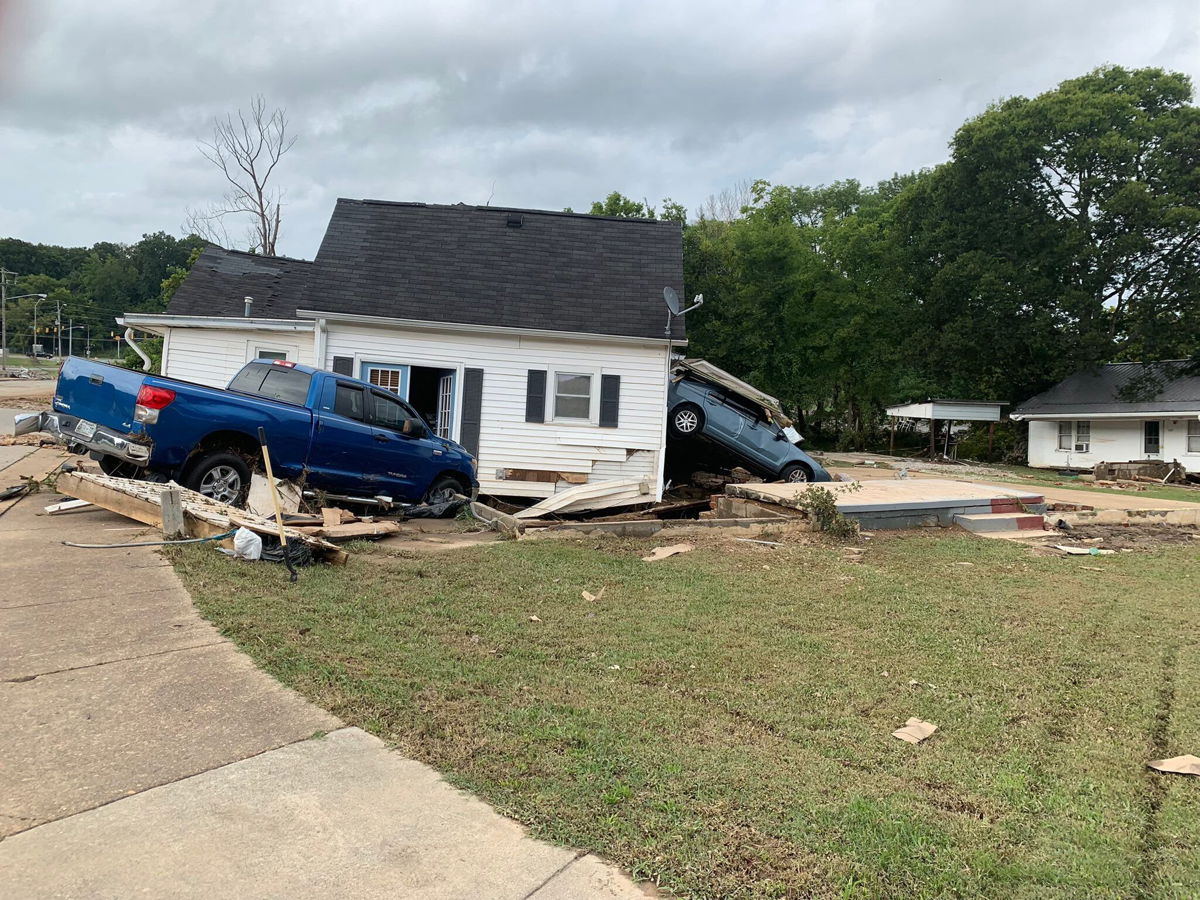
(345, 438)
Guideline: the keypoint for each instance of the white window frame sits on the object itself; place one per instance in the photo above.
(1193, 436)
(1071, 436)
(255, 348)
(593, 417)
(1161, 435)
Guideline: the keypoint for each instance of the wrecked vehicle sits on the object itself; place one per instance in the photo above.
(345, 438)
(708, 402)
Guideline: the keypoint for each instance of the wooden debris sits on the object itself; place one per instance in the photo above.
(352, 531)
(55, 509)
(203, 516)
(331, 516)
(501, 521)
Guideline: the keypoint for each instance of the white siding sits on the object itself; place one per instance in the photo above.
(212, 356)
(1113, 440)
(506, 440)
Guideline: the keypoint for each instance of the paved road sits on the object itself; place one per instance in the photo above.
(143, 754)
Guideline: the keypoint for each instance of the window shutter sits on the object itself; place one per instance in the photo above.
(344, 365)
(610, 400)
(535, 396)
(472, 410)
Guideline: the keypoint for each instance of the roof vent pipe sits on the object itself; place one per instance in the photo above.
(249, 307)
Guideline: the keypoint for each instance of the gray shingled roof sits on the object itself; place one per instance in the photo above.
(469, 265)
(1159, 388)
(460, 264)
(220, 281)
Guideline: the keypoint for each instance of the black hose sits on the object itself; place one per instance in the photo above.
(215, 537)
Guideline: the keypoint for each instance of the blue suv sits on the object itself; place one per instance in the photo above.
(706, 401)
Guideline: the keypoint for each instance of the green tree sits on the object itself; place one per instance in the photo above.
(617, 204)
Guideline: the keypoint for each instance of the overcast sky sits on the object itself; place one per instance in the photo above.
(530, 104)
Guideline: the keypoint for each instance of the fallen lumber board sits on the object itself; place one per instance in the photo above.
(351, 531)
(203, 516)
(56, 509)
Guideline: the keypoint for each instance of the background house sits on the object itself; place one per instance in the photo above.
(535, 339)
(1115, 413)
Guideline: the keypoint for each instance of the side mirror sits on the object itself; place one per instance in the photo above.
(780, 436)
(415, 428)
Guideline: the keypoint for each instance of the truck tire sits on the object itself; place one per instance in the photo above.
(443, 489)
(221, 475)
(687, 420)
(796, 473)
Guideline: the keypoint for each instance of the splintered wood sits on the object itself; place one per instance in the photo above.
(203, 516)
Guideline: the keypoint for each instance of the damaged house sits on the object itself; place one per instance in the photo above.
(537, 340)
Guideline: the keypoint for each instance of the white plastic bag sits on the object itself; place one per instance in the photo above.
(246, 544)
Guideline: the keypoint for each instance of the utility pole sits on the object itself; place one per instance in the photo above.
(58, 328)
(4, 273)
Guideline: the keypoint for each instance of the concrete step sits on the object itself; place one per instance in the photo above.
(1006, 521)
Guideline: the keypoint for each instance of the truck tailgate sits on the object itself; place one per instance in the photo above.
(99, 393)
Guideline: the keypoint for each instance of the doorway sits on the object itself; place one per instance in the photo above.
(431, 393)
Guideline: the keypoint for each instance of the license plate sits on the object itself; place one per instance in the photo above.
(85, 429)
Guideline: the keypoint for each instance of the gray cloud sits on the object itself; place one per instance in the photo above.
(539, 104)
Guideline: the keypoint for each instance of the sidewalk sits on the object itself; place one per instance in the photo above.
(144, 754)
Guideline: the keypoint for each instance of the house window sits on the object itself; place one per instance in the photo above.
(1083, 437)
(1064, 436)
(389, 377)
(1075, 436)
(1193, 436)
(572, 396)
(1152, 442)
(264, 353)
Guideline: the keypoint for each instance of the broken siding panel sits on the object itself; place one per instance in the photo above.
(212, 356)
(507, 441)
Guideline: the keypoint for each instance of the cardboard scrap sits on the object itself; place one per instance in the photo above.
(1177, 765)
(592, 598)
(915, 731)
(663, 552)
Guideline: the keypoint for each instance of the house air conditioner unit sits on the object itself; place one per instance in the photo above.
(1081, 448)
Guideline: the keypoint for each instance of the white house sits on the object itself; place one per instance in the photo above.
(538, 340)
(1116, 413)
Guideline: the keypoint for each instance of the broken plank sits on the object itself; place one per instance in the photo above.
(55, 509)
(352, 531)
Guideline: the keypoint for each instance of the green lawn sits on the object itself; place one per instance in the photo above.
(719, 721)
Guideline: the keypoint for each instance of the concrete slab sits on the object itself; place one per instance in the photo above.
(981, 522)
(9, 455)
(85, 737)
(336, 816)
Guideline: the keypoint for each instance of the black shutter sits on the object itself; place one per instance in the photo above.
(472, 410)
(610, 400)
(344, 365)
(535, 396)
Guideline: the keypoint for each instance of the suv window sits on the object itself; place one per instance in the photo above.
(273, 382)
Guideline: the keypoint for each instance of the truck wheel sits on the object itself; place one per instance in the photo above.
(221, 475)
(796, 473)
(443, 490)
(687, 420)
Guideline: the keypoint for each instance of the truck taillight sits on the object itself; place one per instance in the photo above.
(150, 400)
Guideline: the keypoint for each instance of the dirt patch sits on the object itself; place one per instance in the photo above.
(1131, 537)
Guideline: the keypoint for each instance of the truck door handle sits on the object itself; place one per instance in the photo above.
(382, 438)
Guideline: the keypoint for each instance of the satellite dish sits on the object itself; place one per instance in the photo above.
(672, 299)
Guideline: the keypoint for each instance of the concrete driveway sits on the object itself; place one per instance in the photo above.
(143, 754)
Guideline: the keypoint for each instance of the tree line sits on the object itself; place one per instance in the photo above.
(1063, 232)
(89, 287)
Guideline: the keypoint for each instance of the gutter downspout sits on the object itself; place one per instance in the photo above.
(138, 350)
(662, 445)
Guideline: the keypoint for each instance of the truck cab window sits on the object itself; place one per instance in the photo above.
(348, 401)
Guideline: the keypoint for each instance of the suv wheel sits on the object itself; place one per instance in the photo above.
(687, 420)
(796, 473)
(223, 476)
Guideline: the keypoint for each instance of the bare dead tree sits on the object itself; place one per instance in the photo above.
(246, 149)
(728, 204)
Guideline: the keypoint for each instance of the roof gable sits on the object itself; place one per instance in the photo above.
(1161, 387)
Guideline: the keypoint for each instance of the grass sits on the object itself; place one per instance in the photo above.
(719, 722)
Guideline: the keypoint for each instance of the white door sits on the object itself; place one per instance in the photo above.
(445, 407)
